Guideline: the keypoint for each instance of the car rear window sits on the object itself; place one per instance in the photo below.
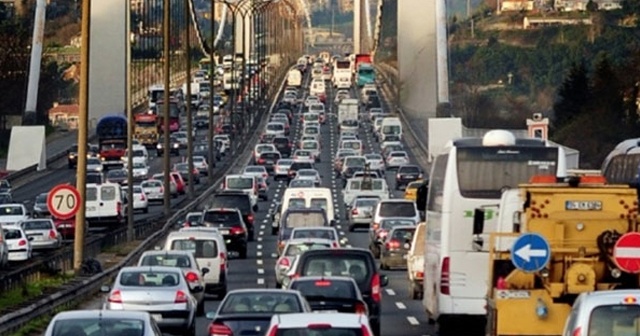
(260, 303)
(322, 234)
(614, 320)
(409, 170)
(99, 325)
(229, 218)
(201, 248)
(167, 259)
(304, 219)
(280, 141)
(297, 249)
(403, 234)
(325, 288)
(36, 225)
(329, 331)
(338, 264)
(239, 183)
(150, 279)
(397, 209)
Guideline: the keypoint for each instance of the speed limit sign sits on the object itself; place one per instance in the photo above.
(63, 201)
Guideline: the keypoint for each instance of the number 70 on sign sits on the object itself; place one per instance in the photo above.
(63, 201)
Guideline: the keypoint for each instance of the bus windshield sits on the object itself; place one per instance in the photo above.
(623, 168)
(484, 172)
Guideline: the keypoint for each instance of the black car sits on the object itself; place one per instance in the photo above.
(183, 169)
(335, 293)
(201, 122)
(6, 198)
(283, 145)
(288, 112)
(361, 267)
(5, 186)
(173, 142)
(232, 227)
(249, 311)
(95, 177)
(239, 200)
(40, 208)
(268, 160)
(117, 176)
(293, 170)
(407, 174)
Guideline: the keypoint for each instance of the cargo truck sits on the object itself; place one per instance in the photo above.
(112, 140)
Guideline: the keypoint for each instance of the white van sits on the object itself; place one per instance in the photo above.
(294, 78)
(209, 250)
(354, 145)
(356, 187)
(140, 154)
(317, 88)
(276, 128)
(244, 183)
(390, 126)
(105, 203)
(310, 198)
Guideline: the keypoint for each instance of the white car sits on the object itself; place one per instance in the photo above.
(140, 171)
(200, 163)
(397, 159)
(281, 168)
(13, 214)
(19, 244)
(260, 148)
(341, 323)
(94, 164)
(311, 100)
(309, 174)
(292, 249)
(154, 190)
(256, 171)
(182, 137)
(375, 161)
(303, 156)
(313, 147)
(224, 138)
(42, 233)
(140, 199)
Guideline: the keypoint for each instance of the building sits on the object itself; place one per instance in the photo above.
(64, 115)
(516, 5)
(539, 22)
(345, 6)
(581, 5)
(64, 55)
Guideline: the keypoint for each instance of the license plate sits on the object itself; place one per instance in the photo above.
(224, 232)
(228, 241)
(157, 317)
(269, 162)
(91, 208)
(329, 311)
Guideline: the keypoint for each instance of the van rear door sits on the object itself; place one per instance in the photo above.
(206, 251)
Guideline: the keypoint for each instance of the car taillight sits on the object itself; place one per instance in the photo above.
(52, 234)
(191, 277)
(219, 329)
(323, 283)
(577, 332)
(375, 288)
(118, 207)
(261, 161)
(115, 297)
(393, 244)
(162, 190)
(354, 211)
(419, 275)
(22, 242)
(360, 308)
(375, 226)
(273, 331)
(284, 262)
(365, 330)
(142, 197)
(250, 219)
(382, 233)
(181, 297)
(265, 176)
(444, 277)
(335, 245)
(236, 230)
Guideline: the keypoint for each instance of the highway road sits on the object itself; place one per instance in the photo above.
(401, 316)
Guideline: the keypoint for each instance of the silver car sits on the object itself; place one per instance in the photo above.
(186, 261)
(301, 183)
(94, 164)
(102, 322)
(293, 249)
(4, 251)
(309, 174)
(281, 168)
(360, 211)
(154, 190)
(43, 233)
(161, 291)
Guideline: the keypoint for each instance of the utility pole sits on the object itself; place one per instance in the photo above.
(187, 18)
(166, 32)
(83, 116)
(212, 72)
(333, 17)
(130, 122)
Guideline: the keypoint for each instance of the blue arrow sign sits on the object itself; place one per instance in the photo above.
(530, 252)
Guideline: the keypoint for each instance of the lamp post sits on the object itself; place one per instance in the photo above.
(187, 18)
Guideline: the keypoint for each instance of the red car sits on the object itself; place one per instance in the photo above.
(67, 227)
(180, 184)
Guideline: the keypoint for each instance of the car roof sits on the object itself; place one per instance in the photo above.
(80, 314)
(165, 252)
(309, 240)
(302, 320)
(327, 278)
(263, 290)
(148, 268)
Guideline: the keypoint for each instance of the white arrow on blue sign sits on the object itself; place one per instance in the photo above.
(530, 252)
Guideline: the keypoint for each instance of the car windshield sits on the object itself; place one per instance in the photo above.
(151, 184)
(309, 145)
(102, 326)
(117, 173)
(42, 198)
(390, 223)
(94, 162)
(260, 303)
(167, 259)
(182, 167)
(139, 165)
(11, 210)
(325, 288)
(301, 183)
(255, 169)
(296, 249)
(37, 225)
(149, 278)
(304, 172)
(373, 157)
(367, 202)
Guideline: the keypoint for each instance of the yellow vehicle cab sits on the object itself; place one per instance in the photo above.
(411, 191)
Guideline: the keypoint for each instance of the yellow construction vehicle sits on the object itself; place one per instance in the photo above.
(556, 239)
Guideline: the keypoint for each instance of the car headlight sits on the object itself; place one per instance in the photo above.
(175, 145)
(159, 146)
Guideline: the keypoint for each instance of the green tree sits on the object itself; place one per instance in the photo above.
(573, 96)
(592, 6)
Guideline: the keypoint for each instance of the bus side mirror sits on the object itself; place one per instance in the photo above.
(478, 221)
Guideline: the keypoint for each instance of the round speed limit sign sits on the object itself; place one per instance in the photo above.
(63, 201)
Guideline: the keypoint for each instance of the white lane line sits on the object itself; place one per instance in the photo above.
(412, 320)
(259, 239)
(259, 254)
(260, 281)
(259, 261)
(265, 221)
(260, 270)
(400, 305)
(390, 292)
(261, 227)
(339, 227)
(274, 255)
(261, 233)
(341, 233)
(259, 247)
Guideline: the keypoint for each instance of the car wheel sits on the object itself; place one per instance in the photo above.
(243, 253)
(222, 292)
(274, 231)
(145, 210)
(351, 228)
(192, 329)
(200, 309)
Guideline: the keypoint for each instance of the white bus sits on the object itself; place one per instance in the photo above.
(472, 173)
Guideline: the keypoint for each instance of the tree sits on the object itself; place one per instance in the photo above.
(592, 6)
(573, 96)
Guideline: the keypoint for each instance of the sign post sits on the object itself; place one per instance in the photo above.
(626, 252)
(63, 201)
(530, 253)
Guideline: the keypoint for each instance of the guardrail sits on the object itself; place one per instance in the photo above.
(15, 320)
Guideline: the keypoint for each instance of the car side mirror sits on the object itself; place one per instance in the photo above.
(211, 315)
(205, 270)
(105, 289)
(384, 280)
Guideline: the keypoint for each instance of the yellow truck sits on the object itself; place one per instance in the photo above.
(554, 241)
(146, 129)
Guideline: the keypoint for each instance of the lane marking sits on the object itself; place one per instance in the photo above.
(259, 254)
(259, 247)
(400, 305)
(260, 281)
(260, 270)
(412, 320)
(259, 239)
(390, 292)
(259, 262)
(261, 227)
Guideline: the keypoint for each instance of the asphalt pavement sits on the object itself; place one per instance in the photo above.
(401, 316)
